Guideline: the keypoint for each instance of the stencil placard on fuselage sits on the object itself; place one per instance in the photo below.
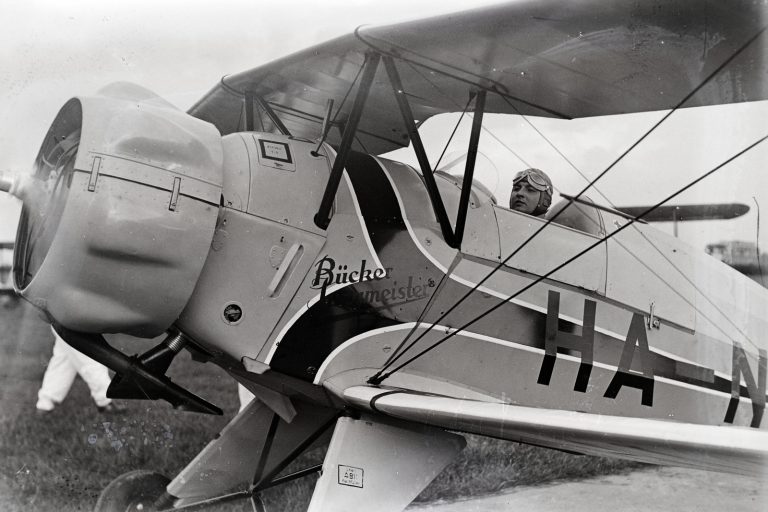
(275, 154)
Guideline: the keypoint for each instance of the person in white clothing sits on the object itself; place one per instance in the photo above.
(65, 364)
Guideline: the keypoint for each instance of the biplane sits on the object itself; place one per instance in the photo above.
(383, 309)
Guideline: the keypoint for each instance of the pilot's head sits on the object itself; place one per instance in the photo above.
(531, 192)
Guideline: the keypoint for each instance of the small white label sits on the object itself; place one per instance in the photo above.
(275, 154)
(275, 150)
(350, 476)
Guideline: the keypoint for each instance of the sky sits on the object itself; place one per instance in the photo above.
(53, 51)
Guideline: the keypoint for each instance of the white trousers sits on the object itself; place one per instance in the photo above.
(65, 364)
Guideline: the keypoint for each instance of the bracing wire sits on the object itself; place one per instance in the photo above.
(381, 375)
(458, 123)
(757, 242)
(685, 299)
(442, 280)
(450, 138)
(650, 242)
(346, 95)
(451, 100)
(357, 139)
(631, 222)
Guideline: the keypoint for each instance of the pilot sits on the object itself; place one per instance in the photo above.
(531, 192)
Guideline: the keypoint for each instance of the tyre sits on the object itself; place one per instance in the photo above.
(135, 490)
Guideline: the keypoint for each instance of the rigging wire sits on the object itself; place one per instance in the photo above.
(394, 50)
(346, 95)
(380, 375)
(430, 303)
(448, 142)
(360, 143)
(693, 284)
(661, 253)
(234, 91)
(654, 246)
(568, 261)
(503, 144)
(450, 100)
(433, 296)
(564, 157)
(757, 242)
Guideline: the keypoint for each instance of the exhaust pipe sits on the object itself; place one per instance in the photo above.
(154, 384)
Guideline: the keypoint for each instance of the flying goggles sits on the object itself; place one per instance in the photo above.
(536, 178)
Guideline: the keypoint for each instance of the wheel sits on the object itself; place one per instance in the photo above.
(135, 490)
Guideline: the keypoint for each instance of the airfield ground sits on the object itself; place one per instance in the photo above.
(648, 489)
(62, 460)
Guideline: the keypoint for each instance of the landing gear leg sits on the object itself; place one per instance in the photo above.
(257, 503)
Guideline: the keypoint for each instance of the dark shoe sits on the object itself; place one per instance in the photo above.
(112, 408)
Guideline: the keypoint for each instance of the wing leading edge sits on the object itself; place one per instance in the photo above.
(544, 57)
(728, 449)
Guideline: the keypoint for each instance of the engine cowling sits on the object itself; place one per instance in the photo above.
(119, 213)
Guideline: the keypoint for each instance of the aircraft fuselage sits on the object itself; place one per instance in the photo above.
(615, 332)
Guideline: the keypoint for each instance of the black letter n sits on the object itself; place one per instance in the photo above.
(756, 389)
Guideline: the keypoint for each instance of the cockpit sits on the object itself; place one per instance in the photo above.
(574, 227)
(579, 216)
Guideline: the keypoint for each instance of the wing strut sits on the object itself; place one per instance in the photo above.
(271, 114)
(322, 217)
(469, 170)
(250, 125)
(421, 154)
(452, 238)
(250, 121)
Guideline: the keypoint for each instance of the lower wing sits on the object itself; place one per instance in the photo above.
(729, 449)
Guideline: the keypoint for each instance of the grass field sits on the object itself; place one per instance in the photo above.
(61, 461)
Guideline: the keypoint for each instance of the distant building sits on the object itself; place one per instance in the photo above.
(743, 256)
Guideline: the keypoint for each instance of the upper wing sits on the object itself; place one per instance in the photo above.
(539, 57)
(731, 449)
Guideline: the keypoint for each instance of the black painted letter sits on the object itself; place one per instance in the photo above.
(556, 338)
(741, 367)
(637, 343)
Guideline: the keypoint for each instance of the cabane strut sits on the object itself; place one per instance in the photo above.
(452, 237)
